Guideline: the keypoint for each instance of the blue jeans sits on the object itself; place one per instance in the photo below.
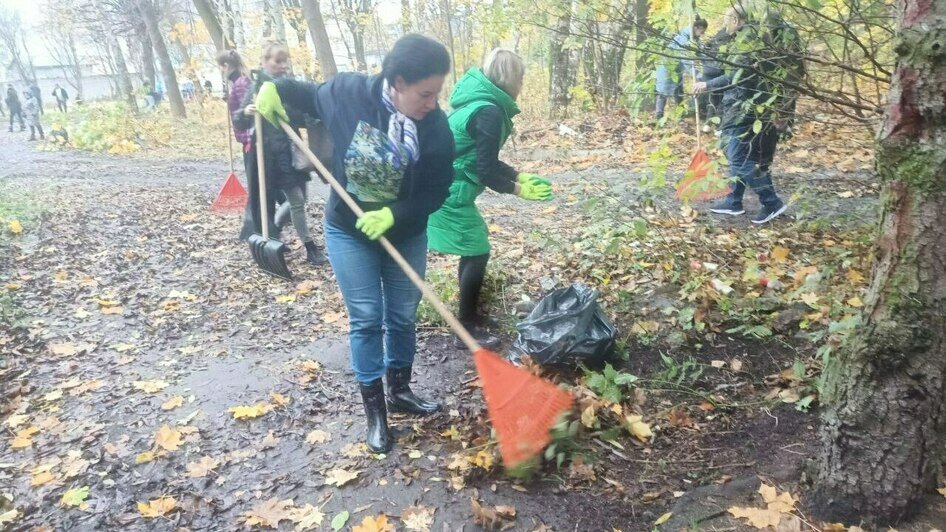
(750, 156)
(381, 301)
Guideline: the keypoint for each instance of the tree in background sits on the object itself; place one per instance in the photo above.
(148, 13)
(60, 34)
(13, 42)
(320, 39)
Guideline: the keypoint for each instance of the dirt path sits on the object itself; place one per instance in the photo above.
(130, 294)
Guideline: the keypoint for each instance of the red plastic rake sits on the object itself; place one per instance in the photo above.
(522, 407)
(231, 198)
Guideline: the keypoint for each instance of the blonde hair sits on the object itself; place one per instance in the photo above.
(505, 69)
(271, 48)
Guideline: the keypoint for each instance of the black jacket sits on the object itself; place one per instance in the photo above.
(276, 145)
(486, 128)
(13, 101)
(350, 103)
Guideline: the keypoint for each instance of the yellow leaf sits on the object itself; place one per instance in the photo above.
(942, 491)
(757, 517)
(149, 386)
(290, 298)
(279, 399)
(307, 517)
(588, 417)
(250, 412)
(783, 503)
(156, 507)
(12, 286)
(41, 478)
(638, 429)
(318, 436)
(16, 420)
(113, 310)
(374, 524)
(483, 459)
(75, 497)
(419, 518)
(21, 443)
(269, 513)
(9, 516)
(855, 277)
(54, 395)
(451, 433)
(145, 457)
(663, 518)
(810, 299)
(855, 302)
(167, 438)
(201, 468)
(779, 254)
(340, 477)
(173, 403)
(15, 227)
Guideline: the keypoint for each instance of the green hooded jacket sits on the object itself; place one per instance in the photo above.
(458, 228)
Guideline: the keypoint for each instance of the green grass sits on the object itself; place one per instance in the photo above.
(17, 206)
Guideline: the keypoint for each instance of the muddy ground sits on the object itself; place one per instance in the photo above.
(129, 279)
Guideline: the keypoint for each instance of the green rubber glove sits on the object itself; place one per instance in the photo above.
(535, 191)
(534, 179)
(269, 105)
(375, 223)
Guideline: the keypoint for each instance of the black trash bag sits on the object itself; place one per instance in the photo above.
(567, 327)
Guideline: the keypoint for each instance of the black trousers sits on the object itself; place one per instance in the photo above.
(62, 105)
(472, 273)
(17, 114)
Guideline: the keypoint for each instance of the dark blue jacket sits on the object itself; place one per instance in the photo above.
(746, 81)
(348, 103)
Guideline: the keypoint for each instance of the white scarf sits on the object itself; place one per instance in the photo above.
(402, 131)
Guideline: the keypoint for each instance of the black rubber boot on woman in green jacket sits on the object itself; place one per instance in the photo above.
(400, 398)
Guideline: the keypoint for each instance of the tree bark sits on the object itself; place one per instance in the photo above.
(209, 16)
(121, 70)
(884, 423)
(148, 14)
(279, 22)
(563, 64)
(147, 54)
(406, 16)
(320, 40)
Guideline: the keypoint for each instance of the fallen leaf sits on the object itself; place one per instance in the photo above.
(783, 503)
(374, 524)
(250, 412)
(149, 386)
(855, 302)
(15, 227)
(167, 438)
(637, 428)
(156, 507)
(419, 518)
(810, 299)
(54, 395)
(269, 513)
(306, 517)
(757, 517)
(721, 287)
(41, 478)
(338, 522)
(663, 518)
(75, 497)
(9, 516)
(588, 417)
(339, 477)
(145, 457)
(173, 403)
(942, 491)
(285, 299)
(779, 254)
(202, 467)
(482, 459)
(491, 517)
(16, 420)
(279, 399)
(113, 310)
(318, 436)
(269, 441)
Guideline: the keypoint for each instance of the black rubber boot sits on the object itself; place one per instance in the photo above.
(379, 438)
(400, 397)
(314, 254)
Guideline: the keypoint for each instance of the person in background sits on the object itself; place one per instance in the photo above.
(32, 111)
(672, 69)
(15, 108)
(238, 84)
(34, 90)
(280, 173)
(484, 104)
(394, 154)
(747, 126)
(62, 98)
(208, 86)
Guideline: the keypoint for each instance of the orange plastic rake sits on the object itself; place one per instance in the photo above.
(522, 407)
(232, 196)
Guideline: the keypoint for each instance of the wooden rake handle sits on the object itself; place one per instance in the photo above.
(424, 288)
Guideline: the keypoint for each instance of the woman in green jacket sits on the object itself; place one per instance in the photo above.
(484, 103)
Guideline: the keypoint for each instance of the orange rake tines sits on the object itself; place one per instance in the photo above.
(232, 197)
(700, 181)
(522, 407)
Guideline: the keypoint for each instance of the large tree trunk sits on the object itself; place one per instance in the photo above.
(564, 63)
(320, 40)
(147, 54)
(883, 428)
(121, 71)
(146, 8)
(406, 16)
(209, 16)
(279, 22)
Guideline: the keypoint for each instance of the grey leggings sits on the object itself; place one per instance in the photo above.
(296, 196)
